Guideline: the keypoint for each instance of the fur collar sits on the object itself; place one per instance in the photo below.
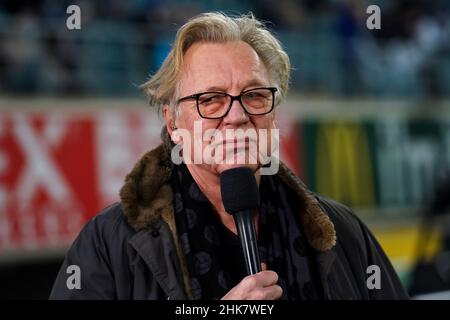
(147, 195)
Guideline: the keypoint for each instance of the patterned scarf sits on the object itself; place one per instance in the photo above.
(213, 254)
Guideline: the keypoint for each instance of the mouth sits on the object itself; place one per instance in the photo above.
(236, 142)
(237, 145)
(231, 142)
(239, 151)
(243, 148)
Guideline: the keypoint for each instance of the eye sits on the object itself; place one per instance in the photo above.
(255, 95)
(211, 98)
(251, 95)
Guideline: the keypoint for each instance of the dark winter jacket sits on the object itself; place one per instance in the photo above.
(131, 250)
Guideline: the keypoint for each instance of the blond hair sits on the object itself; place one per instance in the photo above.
(161, 88)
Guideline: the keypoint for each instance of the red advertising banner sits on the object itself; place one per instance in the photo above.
(58, 168)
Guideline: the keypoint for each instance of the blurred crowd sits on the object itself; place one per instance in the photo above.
(121, 42)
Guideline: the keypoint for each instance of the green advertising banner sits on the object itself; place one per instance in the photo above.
(384, 165)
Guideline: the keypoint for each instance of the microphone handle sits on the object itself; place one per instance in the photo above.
(247, 236)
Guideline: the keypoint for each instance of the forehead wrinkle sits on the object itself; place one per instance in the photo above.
(201, 69)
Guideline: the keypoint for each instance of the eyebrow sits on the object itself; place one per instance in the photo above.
(251, 83)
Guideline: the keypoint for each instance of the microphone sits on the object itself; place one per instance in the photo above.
(240, 197)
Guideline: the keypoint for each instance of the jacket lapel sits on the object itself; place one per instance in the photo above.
(325, 261)
(156, 248)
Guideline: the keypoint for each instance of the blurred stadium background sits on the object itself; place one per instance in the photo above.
(367, 121)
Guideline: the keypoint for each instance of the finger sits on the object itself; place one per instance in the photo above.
(268, 293)
(261, 279)
(268, 277)
(273, 292)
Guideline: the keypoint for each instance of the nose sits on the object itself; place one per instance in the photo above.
(236, 116)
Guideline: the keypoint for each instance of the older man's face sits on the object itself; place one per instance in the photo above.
(230, 67)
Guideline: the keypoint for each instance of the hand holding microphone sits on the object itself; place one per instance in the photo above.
(240, 197)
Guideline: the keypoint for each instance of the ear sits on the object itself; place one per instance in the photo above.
(275, 118)
(168, 119)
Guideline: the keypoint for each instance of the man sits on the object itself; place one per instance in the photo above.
(170, 236)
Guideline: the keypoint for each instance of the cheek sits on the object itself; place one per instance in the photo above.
(264, 126)
(197, 128)
(187, 119)
(266, 122)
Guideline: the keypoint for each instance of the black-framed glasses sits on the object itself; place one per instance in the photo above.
(216, 105)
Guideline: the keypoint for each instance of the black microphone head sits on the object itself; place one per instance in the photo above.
(239, 190)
